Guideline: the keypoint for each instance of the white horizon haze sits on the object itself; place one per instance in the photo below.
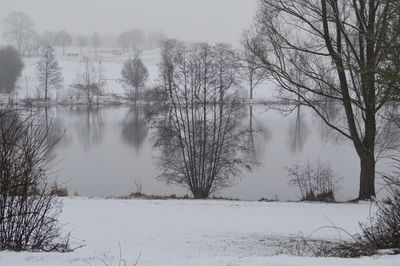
(190, 20)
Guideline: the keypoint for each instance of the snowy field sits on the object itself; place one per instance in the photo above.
(195, 232)
(109, 65)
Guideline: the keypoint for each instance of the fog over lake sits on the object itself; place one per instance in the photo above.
(106, 149)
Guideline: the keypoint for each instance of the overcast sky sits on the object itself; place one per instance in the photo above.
(197, 20)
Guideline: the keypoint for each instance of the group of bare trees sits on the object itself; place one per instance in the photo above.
(19, 30)
(83, 41)
(201, 144)
(341, 52)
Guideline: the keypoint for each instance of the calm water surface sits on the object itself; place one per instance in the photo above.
(104, 150)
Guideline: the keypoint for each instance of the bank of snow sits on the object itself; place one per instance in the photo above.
(196, 233)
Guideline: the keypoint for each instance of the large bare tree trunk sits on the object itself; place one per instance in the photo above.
(367, 155)
(367, 177)
(297, 42)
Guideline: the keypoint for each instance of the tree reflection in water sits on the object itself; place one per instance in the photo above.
(298, 132)
(134, 127)
(90, 125)
(259, 134)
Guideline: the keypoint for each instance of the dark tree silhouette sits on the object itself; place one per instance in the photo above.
(202, 146)
(11, 65)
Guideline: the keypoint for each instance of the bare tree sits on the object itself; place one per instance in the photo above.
(134, 75)
(82, 42)
(88, 78)
(202, 147)
(252, 72)
(95, 39)
(10, 68)
(63, 39)
(18, 28)
(48, 71)
(28, 210)
(335, 51)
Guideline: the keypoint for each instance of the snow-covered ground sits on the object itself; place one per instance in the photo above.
(177, 232)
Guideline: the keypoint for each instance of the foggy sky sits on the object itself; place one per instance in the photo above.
(197, 20)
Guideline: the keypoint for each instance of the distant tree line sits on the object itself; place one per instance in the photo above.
(19, 31)
(138, 39)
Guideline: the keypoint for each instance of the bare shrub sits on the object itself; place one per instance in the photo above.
(28, 209)
(382, 235)
(139, 186)
(109, 260)
(316, 181)
(305, 246)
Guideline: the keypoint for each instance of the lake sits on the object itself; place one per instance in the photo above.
(105, 150)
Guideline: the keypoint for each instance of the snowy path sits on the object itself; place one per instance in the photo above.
(196, 233)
